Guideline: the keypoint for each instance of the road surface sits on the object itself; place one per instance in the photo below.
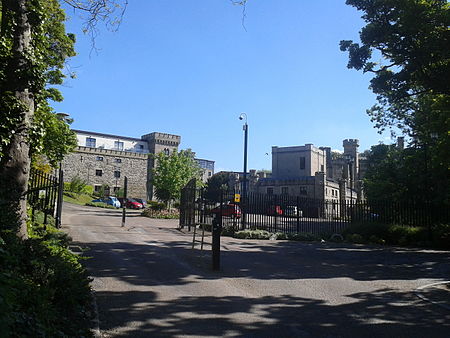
(150, 283)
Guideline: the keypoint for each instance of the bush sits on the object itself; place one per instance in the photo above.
(303, 236)
(355, 238)
(100, 205)
(162, 214)
(252, 234)
(441, 236)
(156, 206)
(44, 290)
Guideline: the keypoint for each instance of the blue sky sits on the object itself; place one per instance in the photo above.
(190, 68)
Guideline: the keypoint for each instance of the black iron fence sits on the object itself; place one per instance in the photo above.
(45, 194)
(294, 214)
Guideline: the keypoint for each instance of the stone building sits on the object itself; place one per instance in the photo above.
(207, 167)
(313, 172)
(106, 159)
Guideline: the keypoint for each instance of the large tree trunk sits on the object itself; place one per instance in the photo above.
(15, 164)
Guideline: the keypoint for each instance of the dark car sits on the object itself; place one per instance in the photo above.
(228, 210)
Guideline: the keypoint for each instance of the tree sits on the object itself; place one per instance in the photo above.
(411, 80)
(33, 50)
(216, 185)
(172, 172)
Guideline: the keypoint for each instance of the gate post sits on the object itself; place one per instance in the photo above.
(60, 198)
(125, 188)
(216, 232)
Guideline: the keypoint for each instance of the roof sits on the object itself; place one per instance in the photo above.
(108, 135)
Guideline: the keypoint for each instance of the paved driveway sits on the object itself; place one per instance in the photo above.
(150, 283)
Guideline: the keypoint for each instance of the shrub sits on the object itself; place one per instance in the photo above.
(252, 234)
(441, 236)
(44, 290)
(162, 214)
(100, 205)
(355, 238)
(155, 205)
(303, 236)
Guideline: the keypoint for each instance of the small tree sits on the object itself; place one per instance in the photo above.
(172, 173)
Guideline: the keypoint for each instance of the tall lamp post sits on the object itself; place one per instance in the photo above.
(243, 116)
(350, 172)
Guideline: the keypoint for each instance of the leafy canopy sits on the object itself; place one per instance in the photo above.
(42, 68)
(172, 172)
(413, 39)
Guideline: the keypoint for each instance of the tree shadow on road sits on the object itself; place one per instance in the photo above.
(377, 314)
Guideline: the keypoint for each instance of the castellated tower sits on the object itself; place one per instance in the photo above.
(157, 143)
(351, 151)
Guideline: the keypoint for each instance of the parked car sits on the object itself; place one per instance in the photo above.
(130, 203)
(228, 210)
(142, 201)
(110, 200)
(291, 210)
(274, 210)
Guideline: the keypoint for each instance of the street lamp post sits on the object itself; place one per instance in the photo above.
(350, 171)
(243, 116)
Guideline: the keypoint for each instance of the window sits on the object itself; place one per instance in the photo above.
(116, 189)
(166, 151)
(302, 163)
(97, 188)
(99, 158)
(90, 142)
(140, 148)
(303, 191)
(209, 174)
(118, 160)
(321, 168)
(118, 145)
(117, 174)
(284, 190)
(269, 191)
(98, 172)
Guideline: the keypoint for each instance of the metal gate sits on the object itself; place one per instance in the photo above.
(45, 194)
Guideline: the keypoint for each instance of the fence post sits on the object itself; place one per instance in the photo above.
(60, 198)
(125, 188)
(216, 231)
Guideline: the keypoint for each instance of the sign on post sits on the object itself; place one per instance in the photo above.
(237, 198)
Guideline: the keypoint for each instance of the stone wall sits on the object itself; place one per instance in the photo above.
(85, 161)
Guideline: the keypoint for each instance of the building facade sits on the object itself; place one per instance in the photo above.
(207, 168)
(105, 159)
(314, 172)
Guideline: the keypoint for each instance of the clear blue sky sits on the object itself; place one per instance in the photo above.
(189, 68)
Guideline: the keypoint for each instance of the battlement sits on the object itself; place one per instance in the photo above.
(351, 142)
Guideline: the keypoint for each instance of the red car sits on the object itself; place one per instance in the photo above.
(228, 210)
(274, 210)
(130, 203)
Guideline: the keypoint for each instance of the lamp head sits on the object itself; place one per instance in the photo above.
(243, 116)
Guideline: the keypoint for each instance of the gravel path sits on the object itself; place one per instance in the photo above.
(150, 283)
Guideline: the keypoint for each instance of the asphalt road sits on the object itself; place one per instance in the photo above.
(150, 283)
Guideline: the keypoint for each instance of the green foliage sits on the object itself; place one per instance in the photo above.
(252, 234)
(44, 290)
(401, 175)
(40, 67)
(173, 172)
(76, 185)
(216, 185)
(379, 233)
(103, 191)
(80, 199)
(155, 205)
(411, 80)
(100, 205)
(163, 214)
(303, 236)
